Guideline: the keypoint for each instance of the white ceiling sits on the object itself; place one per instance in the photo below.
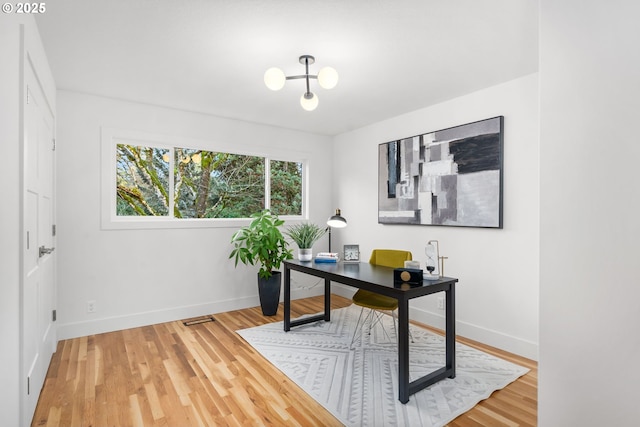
(209, 56)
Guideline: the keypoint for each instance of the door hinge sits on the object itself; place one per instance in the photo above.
(54, 145)
(27, 94)
(28, 385)
(53, 230)
(54, 315)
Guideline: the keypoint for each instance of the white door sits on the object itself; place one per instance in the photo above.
(38, 291)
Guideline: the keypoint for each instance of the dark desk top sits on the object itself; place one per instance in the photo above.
(371, 277)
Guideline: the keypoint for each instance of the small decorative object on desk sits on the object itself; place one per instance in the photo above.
(432, 251)
(412, 264)
(305, 235)
(327, 257)
(351, 253)
(412, 276)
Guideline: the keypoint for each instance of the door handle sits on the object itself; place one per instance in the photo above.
(42, 251)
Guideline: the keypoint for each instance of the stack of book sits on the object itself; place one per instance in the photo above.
(327, 257)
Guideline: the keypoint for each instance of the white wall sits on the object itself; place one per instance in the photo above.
(497, 295)
(590, 199)
(146, 276)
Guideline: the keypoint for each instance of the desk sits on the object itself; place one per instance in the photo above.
(379, 279)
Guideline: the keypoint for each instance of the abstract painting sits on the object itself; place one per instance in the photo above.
(448, 177)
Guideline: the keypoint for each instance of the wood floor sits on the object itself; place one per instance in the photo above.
(173, 375)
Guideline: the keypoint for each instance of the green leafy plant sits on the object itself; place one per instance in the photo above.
(305, 234)
(261, 242)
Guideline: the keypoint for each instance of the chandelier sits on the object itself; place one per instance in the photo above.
(327, 78)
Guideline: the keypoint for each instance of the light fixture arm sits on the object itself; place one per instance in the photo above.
(302, 76)
(306, 72)
(305, 60)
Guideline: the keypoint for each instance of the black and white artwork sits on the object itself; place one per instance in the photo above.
(448, 177)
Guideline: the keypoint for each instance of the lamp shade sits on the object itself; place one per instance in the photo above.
(328, 78)
(309, 103)
(337, 221)
(274, 78)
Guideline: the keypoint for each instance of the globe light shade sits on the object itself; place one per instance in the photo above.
(328, 78)
(274, 78)
(310, 103)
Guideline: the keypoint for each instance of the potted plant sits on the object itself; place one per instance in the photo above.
(305, 235)
(263, 243)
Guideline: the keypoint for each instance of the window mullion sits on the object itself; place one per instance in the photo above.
(172, 159)
(267, 183)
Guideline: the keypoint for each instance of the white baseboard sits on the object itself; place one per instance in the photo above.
(490, 337)
(496, 339)
(116, 323)
(486, 336)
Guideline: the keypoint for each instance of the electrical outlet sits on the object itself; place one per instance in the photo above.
(440, 303)
(91, 306)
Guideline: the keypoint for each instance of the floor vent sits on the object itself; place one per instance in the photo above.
(198, 320)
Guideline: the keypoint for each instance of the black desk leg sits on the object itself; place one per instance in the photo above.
(327, 300)
(451, 331)
(287, 298)
(403, 351)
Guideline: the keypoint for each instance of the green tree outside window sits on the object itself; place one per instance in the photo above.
(206, 184)
(142, 180)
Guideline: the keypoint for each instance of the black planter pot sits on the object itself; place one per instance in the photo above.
(269, 292)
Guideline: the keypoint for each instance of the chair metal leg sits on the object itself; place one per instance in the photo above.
(395, 320)
(357, 328)
(378, 319)
(374, 317)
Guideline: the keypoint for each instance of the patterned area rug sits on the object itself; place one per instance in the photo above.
(359, 385)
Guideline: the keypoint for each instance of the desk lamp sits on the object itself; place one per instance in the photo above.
(336, 221)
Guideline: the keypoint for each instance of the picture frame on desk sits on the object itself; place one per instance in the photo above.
(351, 254)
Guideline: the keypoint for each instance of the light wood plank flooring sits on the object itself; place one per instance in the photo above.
(206, 375)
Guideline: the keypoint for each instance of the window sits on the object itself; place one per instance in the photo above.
(286, 187)
(217, 185)
(160, 182)
(142, 180)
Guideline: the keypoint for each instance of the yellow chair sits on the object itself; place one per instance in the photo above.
(377, 303)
